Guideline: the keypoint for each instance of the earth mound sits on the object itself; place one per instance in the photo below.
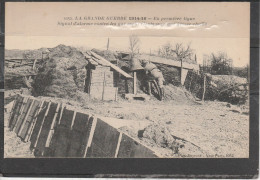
(61, 74)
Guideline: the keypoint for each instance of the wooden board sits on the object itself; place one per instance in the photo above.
(45, 130)
(170, 62)
(106, 62)
(129, 148)
(16, 104)
(32, 124)
(104, 141)
(38, 124)
(67, 117)
(80, 122)
(51, 139)
(96, 92)
(17, 113)
(62, 134)
(23, 115)
(109, 93)
(101, 77)
(102, 68)
(79, 135)
(28, 120)
(60, 147)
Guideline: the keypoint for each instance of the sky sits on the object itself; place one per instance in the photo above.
(213, 26)
(201, 46)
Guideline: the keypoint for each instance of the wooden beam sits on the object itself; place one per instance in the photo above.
(106, 62)
(170, 62)
(135, 90)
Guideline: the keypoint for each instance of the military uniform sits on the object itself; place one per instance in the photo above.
(154, 73)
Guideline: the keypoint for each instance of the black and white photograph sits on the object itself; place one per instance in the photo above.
(112, 80)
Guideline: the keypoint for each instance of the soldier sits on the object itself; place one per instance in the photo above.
(153, 73)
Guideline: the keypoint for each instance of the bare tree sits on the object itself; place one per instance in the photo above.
(134, 45)
(165, 51)
(178, 50)
(182, 52)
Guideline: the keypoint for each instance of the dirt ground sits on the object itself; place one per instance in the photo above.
(14, 146)
(218, 128)
(210, 129)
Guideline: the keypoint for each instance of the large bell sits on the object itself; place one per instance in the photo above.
(136, 65)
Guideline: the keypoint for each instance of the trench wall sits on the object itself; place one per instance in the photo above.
(54, 130)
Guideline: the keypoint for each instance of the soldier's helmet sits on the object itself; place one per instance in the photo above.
(144, 62)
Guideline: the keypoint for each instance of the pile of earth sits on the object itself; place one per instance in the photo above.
(163, 142)
(10, 95)
(62, 74)
(178, 94)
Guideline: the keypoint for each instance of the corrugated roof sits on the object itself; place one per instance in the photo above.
(170, 62)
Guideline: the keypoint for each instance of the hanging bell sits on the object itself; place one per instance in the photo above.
(136, 65)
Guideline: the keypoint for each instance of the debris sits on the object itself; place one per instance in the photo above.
(143, 97)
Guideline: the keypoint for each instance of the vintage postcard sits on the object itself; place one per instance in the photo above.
(127, 79)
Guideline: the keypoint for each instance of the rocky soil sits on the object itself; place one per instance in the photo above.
(210, 129)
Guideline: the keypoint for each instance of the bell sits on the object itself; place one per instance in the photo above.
(136, 65)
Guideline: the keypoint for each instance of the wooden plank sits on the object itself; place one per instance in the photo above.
(33, 121)
(63, 133)
(89, 133)
(26, 119)
(109, 75)
(102, 68)
(129, 148)
(54, 123)
(62, 136)
(135, 80)
(51, 143)
(97, 84)
(96, 92)
(170, 62)
(104, 142)
(76, 139)
(67, 117)
(89, 58)
(106, 62)
(79, 135)
(38, 124)
(23, 115)
(36, 153)
(109, 93)
(45, 130)
(17, 112)
(18, 101)
(81, 122)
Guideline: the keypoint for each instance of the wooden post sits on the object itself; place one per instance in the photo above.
(135, 90)
(149, 88)
(181, 70)
(107, 44)
(204, 87)
(34, 64)
(104, 84)
(191, 78)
